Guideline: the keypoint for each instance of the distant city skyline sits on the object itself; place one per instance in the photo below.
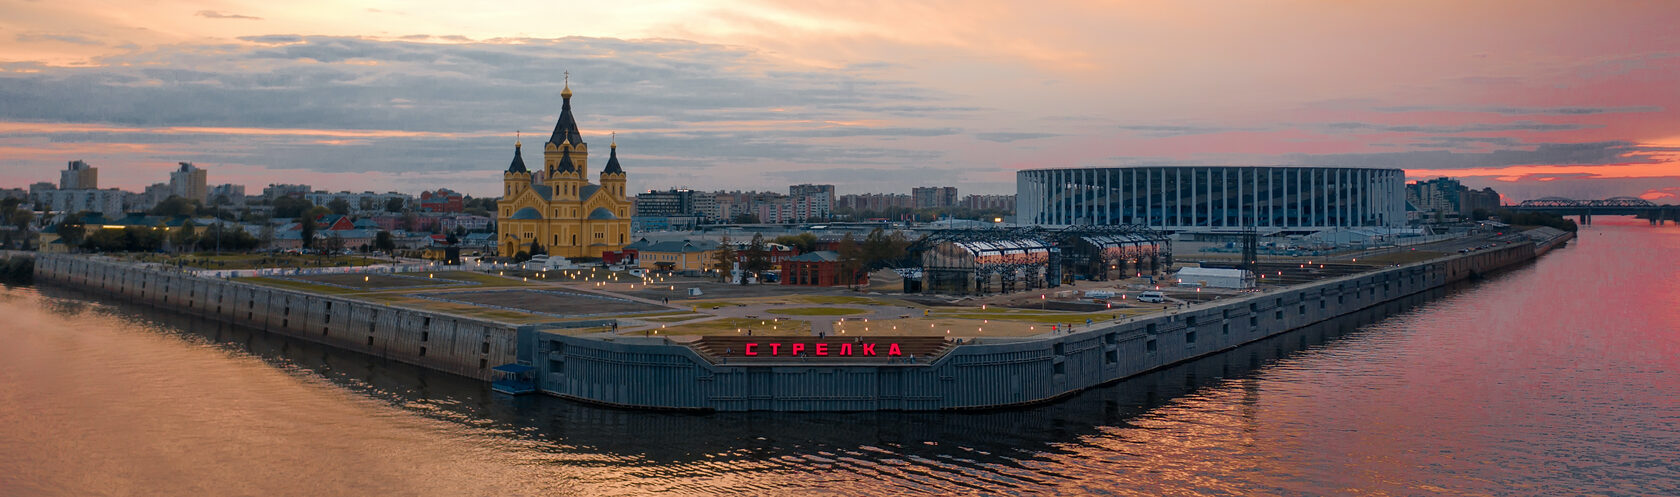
(1531, 98)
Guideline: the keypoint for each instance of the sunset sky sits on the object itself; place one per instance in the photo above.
(1534, 98)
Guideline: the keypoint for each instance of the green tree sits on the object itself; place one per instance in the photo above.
(307, 235)
(757, 256)
(536, 249)
(175, 206)
(383, 242)
(803, 242)
(332, 244)
(724, 259)
(339, 206)
(71, 231)
(185, 237)
(289, 207)
(395, 204)
(851, 259)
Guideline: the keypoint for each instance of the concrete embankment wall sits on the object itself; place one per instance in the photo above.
(438, 341)
(649, 373)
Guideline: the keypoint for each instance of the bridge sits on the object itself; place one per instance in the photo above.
(1614, 206)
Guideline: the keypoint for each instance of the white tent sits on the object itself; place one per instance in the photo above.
(1215, 278)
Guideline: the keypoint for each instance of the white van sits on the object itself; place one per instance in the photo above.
(1156, 297)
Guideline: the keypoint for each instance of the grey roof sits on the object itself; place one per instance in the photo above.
(526, 213)
(818, 256)
(566, 129)
(612, 162)
(644, 245)
(566, 165)
(518, 165)
(547, 192)
(586, 190)
(601, 213)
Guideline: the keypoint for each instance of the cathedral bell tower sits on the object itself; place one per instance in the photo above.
(612, 176)
(517, 178)
(566, 142)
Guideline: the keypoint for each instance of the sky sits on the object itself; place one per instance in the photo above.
(1534, 98)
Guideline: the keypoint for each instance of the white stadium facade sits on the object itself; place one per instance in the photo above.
(1213, 198)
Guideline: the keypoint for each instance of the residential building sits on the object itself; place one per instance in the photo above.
(794, 209)
(153, 195)
(933, 197)
(274, 191)
(876, 201)
(359, 202)
(558, 208)
(39, 192)
(190, 182)
(78, 176)
(467, 222)
(810, 189)
(1004, 203)
(229, 193)
(673, 202)
(110, 202)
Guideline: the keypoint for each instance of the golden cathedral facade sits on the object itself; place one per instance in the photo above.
(557, 208)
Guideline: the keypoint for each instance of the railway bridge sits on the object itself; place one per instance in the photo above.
(1614, 206)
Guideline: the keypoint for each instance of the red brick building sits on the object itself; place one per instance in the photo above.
(442, 200)
(820, 268)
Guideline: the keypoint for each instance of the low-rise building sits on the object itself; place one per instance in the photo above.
(820, 268)
(676, 255)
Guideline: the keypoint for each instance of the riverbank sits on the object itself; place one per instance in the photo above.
(436, 340)
(658, 373)
(654, 372)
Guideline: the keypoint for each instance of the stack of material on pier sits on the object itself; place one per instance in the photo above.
(1215, 278)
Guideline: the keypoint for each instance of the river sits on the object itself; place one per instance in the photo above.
(1557, 378)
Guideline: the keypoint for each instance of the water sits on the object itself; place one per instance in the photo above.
(1558, 378)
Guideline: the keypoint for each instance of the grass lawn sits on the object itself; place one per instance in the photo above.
(817, 311)
(483, 279)
(254, 261)
(786, 327)
(298, 285)
(1401, 257)
(848, 299)
(1036, 317)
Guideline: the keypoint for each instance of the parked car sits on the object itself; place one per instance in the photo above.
(1155, 297)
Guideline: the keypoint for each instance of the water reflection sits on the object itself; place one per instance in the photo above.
(1500, 386)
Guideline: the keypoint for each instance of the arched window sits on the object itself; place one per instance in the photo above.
(574, 239)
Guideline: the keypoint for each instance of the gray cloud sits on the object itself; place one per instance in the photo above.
(1162, 131)
(58, 37)
(1609, 152)
(1002, 137)
(1450, 128)
(218, 15)
(734, 108)
(1567, 111)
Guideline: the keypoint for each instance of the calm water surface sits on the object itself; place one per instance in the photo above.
(1558, 378)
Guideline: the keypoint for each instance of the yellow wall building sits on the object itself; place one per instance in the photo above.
(557, 208)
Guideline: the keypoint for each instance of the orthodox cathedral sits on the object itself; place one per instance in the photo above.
(556, 208)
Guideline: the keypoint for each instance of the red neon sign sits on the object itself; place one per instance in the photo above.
(821, 349)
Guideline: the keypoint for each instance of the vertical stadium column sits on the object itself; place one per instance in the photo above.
(1344, 187)
(1178, 195)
